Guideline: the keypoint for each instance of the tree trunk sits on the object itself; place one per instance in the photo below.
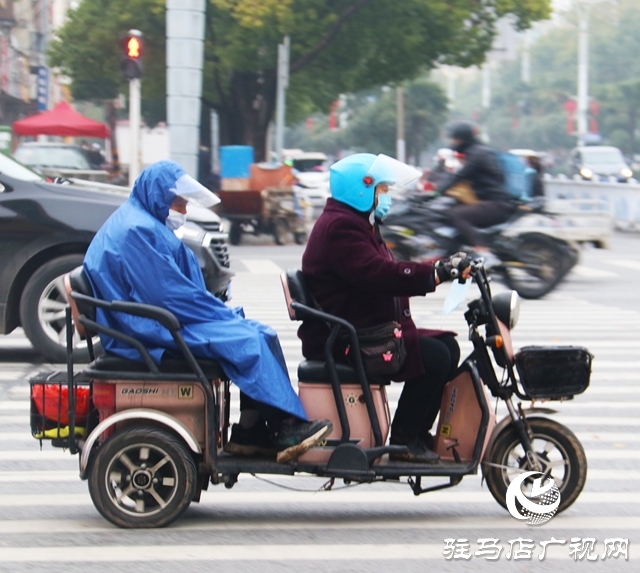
(244, 120)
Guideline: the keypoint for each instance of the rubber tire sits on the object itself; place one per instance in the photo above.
(559, 267)
(300, 238)
(508, 439)
(177, 451)
(29, 309)
(235, 233)
(281, 231)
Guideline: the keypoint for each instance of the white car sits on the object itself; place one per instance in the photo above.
(313, 174)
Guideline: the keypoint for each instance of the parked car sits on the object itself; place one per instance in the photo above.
(45, 229)
(58, 160)
(594, 163)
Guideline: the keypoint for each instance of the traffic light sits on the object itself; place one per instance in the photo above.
(132, 48)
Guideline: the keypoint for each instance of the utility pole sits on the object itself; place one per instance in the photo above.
(525, 70)
(132, 69)
(401, 147)
(185, 56)
(283, 83)
(584, 13)
(486, 85)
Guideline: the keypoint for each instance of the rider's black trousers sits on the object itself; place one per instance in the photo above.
(421, 396)
(469, 218)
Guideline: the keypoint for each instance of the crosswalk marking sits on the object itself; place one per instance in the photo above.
(41, 495)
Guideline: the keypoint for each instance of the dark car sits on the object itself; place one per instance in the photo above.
(45, 229)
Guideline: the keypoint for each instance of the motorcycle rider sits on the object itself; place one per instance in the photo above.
(351, 273)
(482, 172)
(136, 257)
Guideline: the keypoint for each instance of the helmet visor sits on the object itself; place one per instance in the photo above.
(188, 188)
(394, 173)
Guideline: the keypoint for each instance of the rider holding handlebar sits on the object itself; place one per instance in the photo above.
(352, 274)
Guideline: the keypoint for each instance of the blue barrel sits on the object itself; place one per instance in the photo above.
(235, 160)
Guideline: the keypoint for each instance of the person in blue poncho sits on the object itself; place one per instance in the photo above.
(135, 256)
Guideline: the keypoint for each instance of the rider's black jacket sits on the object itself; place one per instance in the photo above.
(482, 171)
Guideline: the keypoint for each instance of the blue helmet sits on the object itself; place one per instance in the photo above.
(347, 181)
(353, 179)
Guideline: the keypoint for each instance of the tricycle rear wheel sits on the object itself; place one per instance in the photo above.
(142, 478)
(557, 449)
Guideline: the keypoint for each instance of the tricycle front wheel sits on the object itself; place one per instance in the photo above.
(557, 450)
(142, 477)
(281, 231)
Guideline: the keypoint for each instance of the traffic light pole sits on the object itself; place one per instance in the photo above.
(134, 130)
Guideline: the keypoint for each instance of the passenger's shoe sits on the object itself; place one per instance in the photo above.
(418, 454)
(295, 438)
(254, 441)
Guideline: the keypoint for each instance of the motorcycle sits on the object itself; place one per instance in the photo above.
(532, 263)
(151, 438)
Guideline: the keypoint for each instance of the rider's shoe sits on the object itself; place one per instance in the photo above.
(418, 454)
(294, 437)
(254, 441)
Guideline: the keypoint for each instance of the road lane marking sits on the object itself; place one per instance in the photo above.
(590, 272)
(435, 522)
(221, 497)
(262, 266)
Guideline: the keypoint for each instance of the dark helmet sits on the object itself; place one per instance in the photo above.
(464, 131)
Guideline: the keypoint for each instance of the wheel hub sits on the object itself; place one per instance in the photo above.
(142, 479)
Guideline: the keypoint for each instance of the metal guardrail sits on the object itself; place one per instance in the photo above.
(620, 200)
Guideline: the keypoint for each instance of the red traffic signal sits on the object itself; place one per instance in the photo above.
(132, 48)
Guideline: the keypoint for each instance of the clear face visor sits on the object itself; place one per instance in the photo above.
(188, 188)
(394, 173)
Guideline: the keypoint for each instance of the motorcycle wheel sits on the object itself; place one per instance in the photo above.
(557, 449)
(142, 477)
(539, 267)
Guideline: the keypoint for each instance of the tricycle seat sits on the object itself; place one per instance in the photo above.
(316, 372)
(110, 363)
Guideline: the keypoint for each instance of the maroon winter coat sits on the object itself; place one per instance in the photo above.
(352, 274)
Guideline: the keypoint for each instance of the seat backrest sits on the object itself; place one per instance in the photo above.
(295, 290)
(77, 281)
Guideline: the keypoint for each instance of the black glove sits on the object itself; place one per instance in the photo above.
(453, 267)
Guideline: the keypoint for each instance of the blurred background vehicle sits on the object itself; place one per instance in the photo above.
(58, 160)
(45, 229)
(599, 162)
(312, 172)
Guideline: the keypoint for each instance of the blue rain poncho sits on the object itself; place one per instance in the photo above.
(135, 257)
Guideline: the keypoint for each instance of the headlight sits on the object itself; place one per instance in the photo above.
(506, 305)
(586, 173)
(190, 232)
(626, 172)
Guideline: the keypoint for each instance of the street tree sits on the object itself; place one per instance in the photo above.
(337, 46)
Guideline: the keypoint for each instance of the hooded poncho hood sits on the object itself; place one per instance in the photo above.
(154, 188)
(134, 257)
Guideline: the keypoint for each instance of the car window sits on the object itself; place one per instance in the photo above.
(50, 156)
(602, 156)
(12, 168)
(305, 165)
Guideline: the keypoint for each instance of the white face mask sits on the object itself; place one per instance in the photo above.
(175, 220)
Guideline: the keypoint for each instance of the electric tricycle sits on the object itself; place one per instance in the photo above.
(150, 438)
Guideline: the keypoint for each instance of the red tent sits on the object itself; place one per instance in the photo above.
(61, 120)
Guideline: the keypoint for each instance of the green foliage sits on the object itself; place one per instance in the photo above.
(88, 51)
(337, 46)
(537, 109)
(372, 122)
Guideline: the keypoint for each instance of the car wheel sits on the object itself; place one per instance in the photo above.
(235, 233)
(42, 311)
